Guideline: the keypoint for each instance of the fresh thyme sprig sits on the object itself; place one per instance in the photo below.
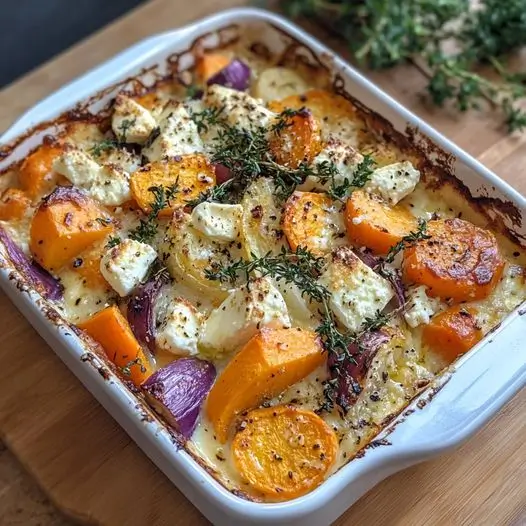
(103, 146)
(408, 240)
(327, 172)
(113, 241)
(207, 118)
(147, 228)
(384, 33)
(246, 153)
(302, 268)
(125, 126)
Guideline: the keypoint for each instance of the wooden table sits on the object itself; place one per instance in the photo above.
(90, 468)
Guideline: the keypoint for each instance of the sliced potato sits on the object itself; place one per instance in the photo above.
(192, 174)
(262, 219)
(302, 313)
(278, 82)
(188, 253)
(314, 221)
(299, 141)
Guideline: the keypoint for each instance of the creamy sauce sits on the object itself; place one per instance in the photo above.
(399, 370)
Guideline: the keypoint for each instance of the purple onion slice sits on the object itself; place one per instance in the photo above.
(351, 369)
(141, 310)
(178, 391)
(368, 258)
(395, 279)
(39, 278)
(223, 173)
(236, 76)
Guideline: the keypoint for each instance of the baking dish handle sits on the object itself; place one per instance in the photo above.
(481, 383)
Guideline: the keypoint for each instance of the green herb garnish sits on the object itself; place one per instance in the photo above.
(147, 228)
(384, 33)
(105, 145)
(303, 269)
(408, 240)
(113, 241)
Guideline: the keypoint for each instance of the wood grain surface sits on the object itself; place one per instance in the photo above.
(90, 468)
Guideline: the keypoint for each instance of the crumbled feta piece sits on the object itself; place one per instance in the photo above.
(242, 314)
(216, 221)
(131, 122)
(108, 184)
(121, 159)
(239, 108)
(126, 265)
(357, 292)
(177, 134)
(179, 331)
(394, 181)
(343, 156)
(420, 307)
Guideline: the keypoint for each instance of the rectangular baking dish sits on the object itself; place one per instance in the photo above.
(463, 399)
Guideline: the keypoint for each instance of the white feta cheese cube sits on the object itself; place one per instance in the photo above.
(179, 330)
(177, 134)
(239, 108)
(394, 181)
(216, 221)
(78, 167)
(420, 307)
(343, 156)
(126, 265)
(245, 311)
(131, 122)
(357, 292)
(108, 184)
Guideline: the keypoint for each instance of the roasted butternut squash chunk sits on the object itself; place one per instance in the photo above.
(284, 452)
(66, 223)
(313, 221)
(372, 223)
(299, 141)
(452, 332)
(14, 203)
(110, 328)
(270, 362)
(460, 261)
(181, 179)
(36, 174)
(210, 64)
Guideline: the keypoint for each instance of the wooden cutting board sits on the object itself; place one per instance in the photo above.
(94, 473)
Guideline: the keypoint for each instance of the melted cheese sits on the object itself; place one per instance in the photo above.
(399, 369)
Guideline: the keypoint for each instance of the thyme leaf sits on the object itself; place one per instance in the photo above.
(147, 228)
(408, 240)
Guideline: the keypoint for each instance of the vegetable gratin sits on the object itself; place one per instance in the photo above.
(272, 273)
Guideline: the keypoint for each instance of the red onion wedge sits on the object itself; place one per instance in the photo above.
(236, 76)
(223, 174)
(178, 391)
(395, 279)
(39, 278)
(350, 370)
(141, 310)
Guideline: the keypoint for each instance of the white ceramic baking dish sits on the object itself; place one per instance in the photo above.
(463, 399)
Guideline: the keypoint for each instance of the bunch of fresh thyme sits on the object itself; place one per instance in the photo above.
(383, 33)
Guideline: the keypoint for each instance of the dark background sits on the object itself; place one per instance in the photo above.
(33, 31)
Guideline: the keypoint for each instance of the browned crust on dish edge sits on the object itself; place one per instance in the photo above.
(440, 171)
